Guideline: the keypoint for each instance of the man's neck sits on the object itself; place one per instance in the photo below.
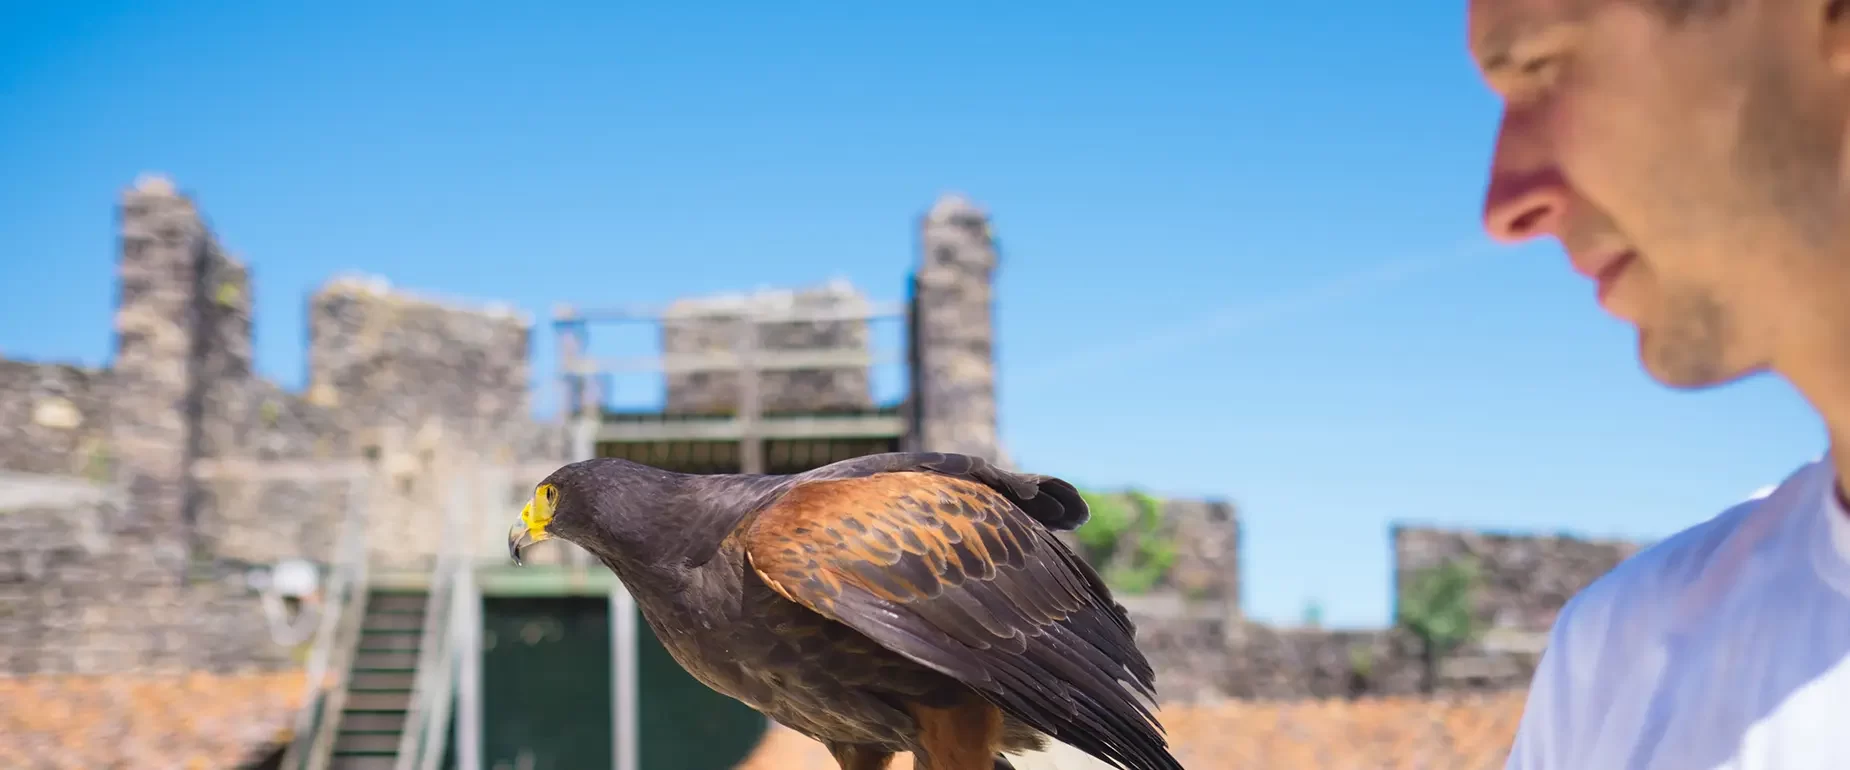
(1814, 350)
(1840, 465)
(1827, 389)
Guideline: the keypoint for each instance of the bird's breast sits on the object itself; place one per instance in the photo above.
(702, 642)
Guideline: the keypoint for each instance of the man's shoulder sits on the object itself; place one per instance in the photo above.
(1620, 622)
(1644, 585)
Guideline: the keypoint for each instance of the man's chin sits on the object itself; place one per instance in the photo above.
(1679, 368)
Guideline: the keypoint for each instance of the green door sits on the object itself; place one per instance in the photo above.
(684, 724)
(546, 677)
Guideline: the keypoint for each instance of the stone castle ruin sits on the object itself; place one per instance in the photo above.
(132, 512)
(709, 325)
(130, 528)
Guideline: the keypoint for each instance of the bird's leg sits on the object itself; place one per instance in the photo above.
(967, 736)
(852, 757)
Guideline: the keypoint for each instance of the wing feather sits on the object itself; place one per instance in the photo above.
(1053, 502)
(954, 574)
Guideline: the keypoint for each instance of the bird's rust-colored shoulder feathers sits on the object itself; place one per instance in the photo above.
(954, 574)
(1051, 501)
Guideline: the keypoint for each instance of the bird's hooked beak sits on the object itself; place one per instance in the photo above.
(534, 516)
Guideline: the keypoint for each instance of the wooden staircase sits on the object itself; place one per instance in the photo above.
(378, 698)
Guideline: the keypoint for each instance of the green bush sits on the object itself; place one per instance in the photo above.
(1131, 519)
(1438, 606)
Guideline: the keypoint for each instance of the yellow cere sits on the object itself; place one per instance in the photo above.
(538, 511)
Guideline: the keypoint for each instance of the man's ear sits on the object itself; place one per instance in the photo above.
(1835, 38)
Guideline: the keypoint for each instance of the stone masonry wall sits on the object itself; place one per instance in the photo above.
(412, 381)
(262, 521)
(152, 575)
(392, 358)
(1184, 616)
(954, 328)
(710, 326)
(406, 380)
(1202, 657)
(54, 418)
(1207, 538)
(102, 579)
(1284, 663)
(164, 245)
(1203, 650)
(225, 363)
(242, 417)
(83, 592)
(1526, 579)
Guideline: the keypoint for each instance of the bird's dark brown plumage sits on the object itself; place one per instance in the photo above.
(853, 601)
(950, 574)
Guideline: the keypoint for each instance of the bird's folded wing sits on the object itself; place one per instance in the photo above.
(1051, 501)
(951, 574)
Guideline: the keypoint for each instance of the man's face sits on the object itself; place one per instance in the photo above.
(1689, 166)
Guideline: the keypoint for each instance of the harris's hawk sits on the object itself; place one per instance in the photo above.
(889, 603)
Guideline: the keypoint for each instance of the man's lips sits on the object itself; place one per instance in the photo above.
(1600, 266)
(1606, 271)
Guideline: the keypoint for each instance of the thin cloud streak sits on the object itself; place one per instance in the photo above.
(1245, 316)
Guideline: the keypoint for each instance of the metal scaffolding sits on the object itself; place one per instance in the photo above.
(581, 375)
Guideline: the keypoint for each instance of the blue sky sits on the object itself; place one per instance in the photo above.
(1241, 252)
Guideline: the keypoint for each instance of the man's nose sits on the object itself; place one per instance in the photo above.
(1527, 195)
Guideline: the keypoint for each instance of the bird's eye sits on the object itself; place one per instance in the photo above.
(552, 496)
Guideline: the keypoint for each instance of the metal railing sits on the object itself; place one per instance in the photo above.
(448, 637)
(335, 638)
(433, 690)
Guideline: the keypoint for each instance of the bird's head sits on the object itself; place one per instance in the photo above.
(602, 505)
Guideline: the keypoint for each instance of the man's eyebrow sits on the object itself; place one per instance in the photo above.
(1495, 62)
(1494, 49)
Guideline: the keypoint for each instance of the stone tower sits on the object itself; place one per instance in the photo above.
(953, 334)
(182, 366)
(163, 246)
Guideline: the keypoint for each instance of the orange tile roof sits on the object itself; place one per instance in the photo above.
(210, 722)
(1449, 733)
(181, 721)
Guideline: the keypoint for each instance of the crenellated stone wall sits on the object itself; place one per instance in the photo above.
(1525, 579)
(207, 469)
(126, 527)
(54, 418)
(1190, 625)
(83, 592)
(1199, 656)
(953, 331)
(1183, 613)
(384, 357)
(414, 380)
(707, 326)
(1271, 663)
(1199, 538)
(1206, 534)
